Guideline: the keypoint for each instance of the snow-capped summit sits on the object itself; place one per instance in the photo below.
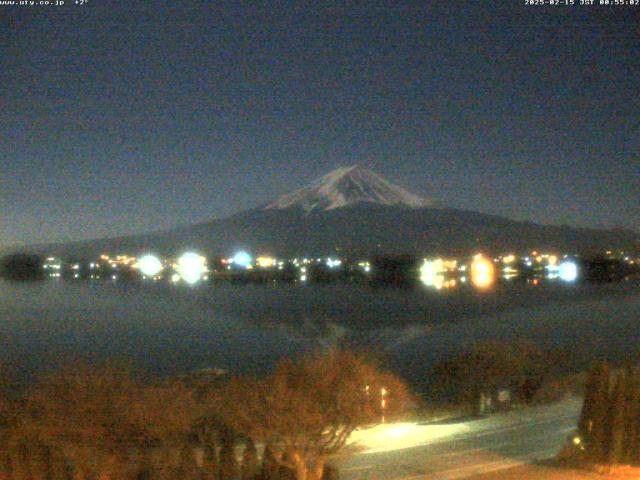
(347, 186)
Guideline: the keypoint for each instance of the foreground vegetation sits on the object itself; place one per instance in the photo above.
(529, 374)
(610, 421)
(107, 422)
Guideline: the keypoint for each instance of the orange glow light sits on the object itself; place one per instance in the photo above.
(482, 272)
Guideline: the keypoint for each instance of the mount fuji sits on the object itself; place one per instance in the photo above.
(352, 211)
(349, 186)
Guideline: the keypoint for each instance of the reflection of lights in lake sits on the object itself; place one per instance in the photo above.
(568, 271)
(482, 272)
(552, 272)
(509, 272)
(431, 273)
(191, 267)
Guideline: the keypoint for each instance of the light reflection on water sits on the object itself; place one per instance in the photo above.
(169, 329)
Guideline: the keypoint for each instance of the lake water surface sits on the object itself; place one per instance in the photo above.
(169, 330)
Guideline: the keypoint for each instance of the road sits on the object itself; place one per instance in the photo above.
(459, 449)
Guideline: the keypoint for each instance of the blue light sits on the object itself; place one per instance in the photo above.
(568, 271)
(242, 259)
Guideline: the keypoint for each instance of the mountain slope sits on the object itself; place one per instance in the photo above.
(359, 230)
(353, 211)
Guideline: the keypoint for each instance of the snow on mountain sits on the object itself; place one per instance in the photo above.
(347, 186)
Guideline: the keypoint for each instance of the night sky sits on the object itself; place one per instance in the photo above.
(121, 117)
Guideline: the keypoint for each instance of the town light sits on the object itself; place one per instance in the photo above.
(482, 272)
(431, 273)
(333, 263)
(149, 265)
(509, 259)
(266, 262)
(568, 271)
(242, 259)
(191, 267)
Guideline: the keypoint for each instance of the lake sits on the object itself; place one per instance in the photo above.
(172, 329)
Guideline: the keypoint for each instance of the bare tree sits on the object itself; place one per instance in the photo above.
(307, 410)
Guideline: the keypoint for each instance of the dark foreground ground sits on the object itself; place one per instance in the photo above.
(541, 472)
(552, 471)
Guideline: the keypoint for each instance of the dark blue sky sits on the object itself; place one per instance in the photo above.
(122, 117)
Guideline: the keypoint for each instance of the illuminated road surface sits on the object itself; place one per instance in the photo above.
(460, 449)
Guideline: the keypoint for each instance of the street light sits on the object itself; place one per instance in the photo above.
(191, 267)
(383, 401)
(482, 272)
(568, 271)
(149, 265)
